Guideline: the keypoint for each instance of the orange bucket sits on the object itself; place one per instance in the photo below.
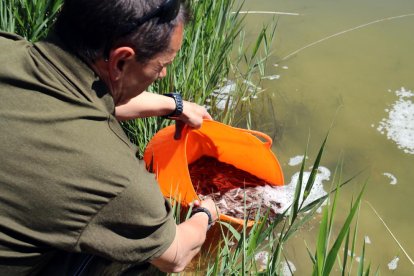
(169, 158)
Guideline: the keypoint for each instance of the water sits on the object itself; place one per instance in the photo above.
(346, 65)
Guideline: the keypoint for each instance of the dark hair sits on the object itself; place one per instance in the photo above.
(90, 28)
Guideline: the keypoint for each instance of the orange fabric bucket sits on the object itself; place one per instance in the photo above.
(169, 158)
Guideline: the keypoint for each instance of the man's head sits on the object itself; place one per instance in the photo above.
(92, 28)
(128, 43)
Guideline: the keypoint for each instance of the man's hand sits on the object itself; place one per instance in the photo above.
(209, 204)
(190, 236)
(193, 116)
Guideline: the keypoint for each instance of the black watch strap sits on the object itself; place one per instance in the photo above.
(203, 210)
(178, 104)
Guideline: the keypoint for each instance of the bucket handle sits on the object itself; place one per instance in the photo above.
(268, 142)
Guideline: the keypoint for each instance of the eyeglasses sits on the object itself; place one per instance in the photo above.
(166, 12)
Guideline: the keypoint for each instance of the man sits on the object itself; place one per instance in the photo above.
(73, 195)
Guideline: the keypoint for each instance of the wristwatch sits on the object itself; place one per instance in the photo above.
(204, 210)
(178, 105)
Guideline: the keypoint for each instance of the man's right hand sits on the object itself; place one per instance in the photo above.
(193, 116)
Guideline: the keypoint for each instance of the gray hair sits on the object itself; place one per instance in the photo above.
(91, 28)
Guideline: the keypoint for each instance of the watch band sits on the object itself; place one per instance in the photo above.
(203, 210)
(178, 105)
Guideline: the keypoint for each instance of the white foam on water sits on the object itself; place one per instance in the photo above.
(404, 93)
(393, 179)
(251, 86)
(393, 264)
(284, 195)
(399, 126)
(296, 160)
(367, 240)
(350, 253)
(287, 268)
(224, 94)
(272, 77)
(262, 257)
(228, 88)
(357, 258)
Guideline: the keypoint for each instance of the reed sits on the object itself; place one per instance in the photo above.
(31, 19)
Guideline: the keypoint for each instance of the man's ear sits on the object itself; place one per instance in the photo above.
(118, 59)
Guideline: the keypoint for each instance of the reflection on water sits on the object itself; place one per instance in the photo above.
(351, 52)
(399, 126)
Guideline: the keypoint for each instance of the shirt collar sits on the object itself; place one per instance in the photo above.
(76, 71)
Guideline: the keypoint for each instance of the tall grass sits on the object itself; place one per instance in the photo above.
(31, 19)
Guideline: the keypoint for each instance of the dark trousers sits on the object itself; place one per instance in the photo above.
(75, 264)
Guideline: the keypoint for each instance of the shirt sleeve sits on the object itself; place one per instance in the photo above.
(135, 226)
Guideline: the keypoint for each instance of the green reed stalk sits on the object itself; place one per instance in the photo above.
(7, 19)
(31, 19)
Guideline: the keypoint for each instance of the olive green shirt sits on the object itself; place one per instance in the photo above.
(69, 177)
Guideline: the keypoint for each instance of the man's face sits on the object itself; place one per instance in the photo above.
(138, 76)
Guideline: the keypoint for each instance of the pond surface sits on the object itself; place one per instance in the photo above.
(350, 65)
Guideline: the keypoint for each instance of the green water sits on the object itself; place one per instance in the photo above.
(348, 80)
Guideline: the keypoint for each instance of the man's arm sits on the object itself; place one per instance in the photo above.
(190, 236)
(149, 104)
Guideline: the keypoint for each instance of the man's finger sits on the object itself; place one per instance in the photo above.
(207, 116)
